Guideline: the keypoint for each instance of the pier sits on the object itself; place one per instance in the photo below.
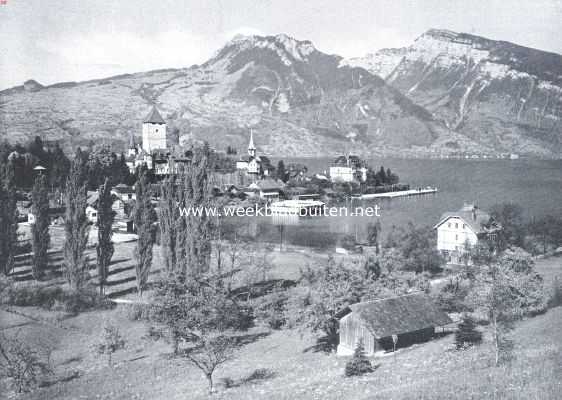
(400, 193)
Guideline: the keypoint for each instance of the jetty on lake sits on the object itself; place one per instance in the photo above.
(399, 193)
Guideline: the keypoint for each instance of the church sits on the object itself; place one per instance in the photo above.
(254, 165)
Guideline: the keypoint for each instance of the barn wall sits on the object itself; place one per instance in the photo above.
(351, 330)
(408, 338)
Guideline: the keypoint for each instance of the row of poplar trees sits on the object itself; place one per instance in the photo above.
(76, 225)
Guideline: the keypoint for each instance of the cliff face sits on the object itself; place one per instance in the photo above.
(501, 95)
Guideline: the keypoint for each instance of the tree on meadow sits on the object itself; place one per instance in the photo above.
(144, 218)
(8, 216)
(104, 247)
(40, 228)
(168, 217)
(505, 291)
(359, 363)
(76, 226)
(195, 232)
(202, 315)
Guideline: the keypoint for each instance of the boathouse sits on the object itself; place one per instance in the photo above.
(412, 318)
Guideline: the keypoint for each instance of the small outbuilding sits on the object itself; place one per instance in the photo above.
(409, 318)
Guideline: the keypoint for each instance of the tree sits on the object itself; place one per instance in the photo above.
(327, 291)
(282, 174)
(417, 247)
(467, 334)
(76, 227)
(110, 342)
(210, 352)
(40, 229)
(168, 216)
(104, 247)
(8, 217)
(505, 291)
(195, 232)
(144, 222)
(373, 235)
(510, 217)
(203, 315)
(359, 363)
(59, 168)
(22, 364)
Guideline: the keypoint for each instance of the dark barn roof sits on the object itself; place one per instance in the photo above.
(398, 315)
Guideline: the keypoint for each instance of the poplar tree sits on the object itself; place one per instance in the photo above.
(40, 229)
(168, 217)
(76, 226)
(8, 217)
(144, 217)
(104, 248)
(195, 232)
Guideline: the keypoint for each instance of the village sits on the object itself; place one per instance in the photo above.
(85, 257)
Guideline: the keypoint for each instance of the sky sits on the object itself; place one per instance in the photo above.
(71, 40)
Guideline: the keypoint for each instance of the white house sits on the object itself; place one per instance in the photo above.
(92, 214)
(458, 229)
(124, 192)
(348, 169)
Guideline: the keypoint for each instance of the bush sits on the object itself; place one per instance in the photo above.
(467, 335)
(270, 309)
(23, 365)
(359, 363)
(110, 341)
(54, 298)
(137, 312)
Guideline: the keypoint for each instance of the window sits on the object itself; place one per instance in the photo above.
(463, 226)
(456, 237)
(449, 224)
(456, 225)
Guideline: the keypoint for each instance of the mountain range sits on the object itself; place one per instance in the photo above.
(447, 93)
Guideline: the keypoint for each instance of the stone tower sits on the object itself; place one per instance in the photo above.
(154, 132)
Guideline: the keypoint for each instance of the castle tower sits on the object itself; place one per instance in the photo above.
(154, 132)
(251, 147)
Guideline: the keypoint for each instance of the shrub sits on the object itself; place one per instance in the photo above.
(359, 363)
(54, 298)
(467, 334)
(270, 309)
(137, 312)
(22, 364)
(110, 341)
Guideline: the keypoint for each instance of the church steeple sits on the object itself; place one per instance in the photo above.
(251, 147)
(132, 150)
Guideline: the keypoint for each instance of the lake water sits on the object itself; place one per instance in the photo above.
(536, 185)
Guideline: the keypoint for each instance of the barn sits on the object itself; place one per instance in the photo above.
(412, 318)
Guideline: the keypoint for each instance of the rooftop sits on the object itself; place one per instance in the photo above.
(401, 314)
(154, 117)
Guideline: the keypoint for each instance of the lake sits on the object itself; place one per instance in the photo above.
(536, 185)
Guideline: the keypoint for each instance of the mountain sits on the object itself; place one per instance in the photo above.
(298, 100)
(501, 95)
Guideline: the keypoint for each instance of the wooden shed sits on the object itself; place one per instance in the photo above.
(412, 318)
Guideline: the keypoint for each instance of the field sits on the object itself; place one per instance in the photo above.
(283, 364)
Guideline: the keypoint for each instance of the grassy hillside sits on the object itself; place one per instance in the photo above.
(281, 364)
